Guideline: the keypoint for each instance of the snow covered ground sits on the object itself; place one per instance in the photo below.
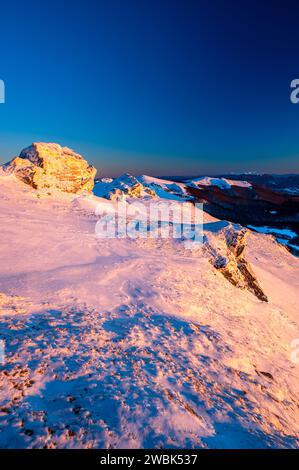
(117, 343)
(284, 232)
(282, 235)
(164, 188)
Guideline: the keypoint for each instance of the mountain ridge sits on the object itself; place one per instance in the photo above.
(119, 342)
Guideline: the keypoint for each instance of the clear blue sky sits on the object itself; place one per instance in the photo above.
(159, 87)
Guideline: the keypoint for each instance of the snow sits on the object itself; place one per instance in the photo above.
(122, 343)
(285, 242)
(102, 188)
(164, 189)
(287, 233)
(292, 191)
(106, 180)
(222, 183)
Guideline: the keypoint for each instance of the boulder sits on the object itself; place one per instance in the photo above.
(47, 166)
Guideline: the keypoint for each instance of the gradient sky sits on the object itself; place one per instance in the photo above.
(161, 87)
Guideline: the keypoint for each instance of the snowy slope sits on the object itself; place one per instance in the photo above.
(291, 191)
(165, 189)
(222, 183)
(124, 185)
(162, 188)
(139, 343)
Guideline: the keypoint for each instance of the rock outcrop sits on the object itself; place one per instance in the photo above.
(47, 166)
(123, 186)
(232, 263)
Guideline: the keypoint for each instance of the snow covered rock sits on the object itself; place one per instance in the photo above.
(165, 189)
(124, 186)
(48, 166)
(222, 183)
(230, 261)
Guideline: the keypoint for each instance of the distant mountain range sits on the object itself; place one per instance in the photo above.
(286, 182)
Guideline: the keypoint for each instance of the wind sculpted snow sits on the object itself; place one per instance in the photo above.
(139, 343)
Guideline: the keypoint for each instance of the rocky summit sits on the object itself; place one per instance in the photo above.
(48, 166)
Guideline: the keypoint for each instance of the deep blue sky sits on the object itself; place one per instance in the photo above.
(159, 87)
